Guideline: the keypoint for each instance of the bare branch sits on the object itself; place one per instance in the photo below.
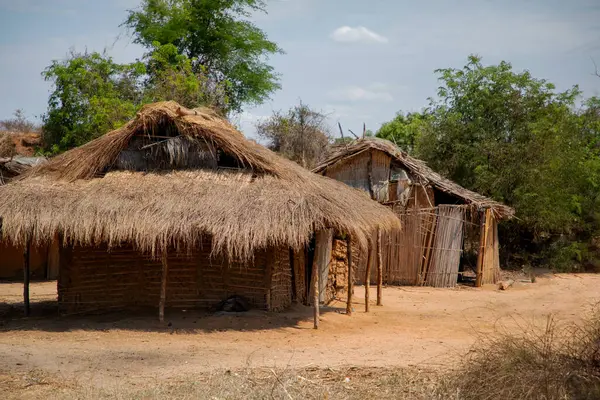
(350, 130)
(596, 72)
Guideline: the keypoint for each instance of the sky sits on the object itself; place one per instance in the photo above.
(356, 61)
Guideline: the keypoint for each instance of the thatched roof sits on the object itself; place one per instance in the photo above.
(13, 166)
(419, 169)
(258, 200)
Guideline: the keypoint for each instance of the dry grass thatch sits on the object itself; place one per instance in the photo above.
(263, 200)
(425, 175)
(13, 166)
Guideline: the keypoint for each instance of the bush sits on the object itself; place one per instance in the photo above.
(558, 363)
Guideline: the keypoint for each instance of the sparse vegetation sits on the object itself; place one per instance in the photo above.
(19, 123)
(555, 364)
(7, 145)
(300, 134)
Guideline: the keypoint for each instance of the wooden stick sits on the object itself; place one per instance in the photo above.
(316, 274)
(350, 279)
(368, 275)
(379, 270)
(163, 288)
(482, 239)
(26, 257)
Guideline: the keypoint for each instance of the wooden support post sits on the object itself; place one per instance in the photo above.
(482, 240)
(379, 270)
(368, 275)
(163, 288)
(350, 277)
(316, 296)
(26, 274)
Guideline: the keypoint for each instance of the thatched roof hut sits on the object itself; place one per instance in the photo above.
(184, 185)
(435, 212)
(418, 171)
(11, 260)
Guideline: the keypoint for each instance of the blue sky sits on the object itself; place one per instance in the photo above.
(356, 60)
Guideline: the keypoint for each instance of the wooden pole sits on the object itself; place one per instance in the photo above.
(482, 240)
(163, 288)
(368, 275)
(350, 278)
(26, 274)
(316, 274)
(379, 270)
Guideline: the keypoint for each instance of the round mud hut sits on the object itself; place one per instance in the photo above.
(178, 209)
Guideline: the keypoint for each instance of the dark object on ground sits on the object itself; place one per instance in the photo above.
(233, 304)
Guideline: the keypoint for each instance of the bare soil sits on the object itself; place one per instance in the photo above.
(417, 327)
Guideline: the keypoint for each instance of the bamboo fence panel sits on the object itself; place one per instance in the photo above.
(447, 248)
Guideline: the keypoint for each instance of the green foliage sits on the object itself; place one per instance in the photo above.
(299, 134)
(171, 77)
(218, 39)
(91, 96)
(513, 137)
(404, 130)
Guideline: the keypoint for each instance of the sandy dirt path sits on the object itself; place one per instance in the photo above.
(424, 327)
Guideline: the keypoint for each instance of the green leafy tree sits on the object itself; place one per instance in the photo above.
(91, 95)
(405, 129)
(300, 134)
(218, 39)
(515, 138)
(171, 77)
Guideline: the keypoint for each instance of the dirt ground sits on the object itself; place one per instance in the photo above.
(416, 327)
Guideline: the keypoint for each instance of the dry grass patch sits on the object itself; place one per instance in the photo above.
(252, 384)
(556, 363)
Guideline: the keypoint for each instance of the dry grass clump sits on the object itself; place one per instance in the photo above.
(7, 146)
(251, 384)
(556, 363)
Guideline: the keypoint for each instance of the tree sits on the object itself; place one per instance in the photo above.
(91, 95)
(300, 134)
(19, 123)
(405, 129)
(171, 77)
(218, 39)
(513, 137)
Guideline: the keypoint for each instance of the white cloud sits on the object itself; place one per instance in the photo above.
(373, 92)
(359, 34)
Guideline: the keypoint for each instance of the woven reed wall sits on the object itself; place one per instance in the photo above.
(406, 248)
(380, 174)
(91, 278)
(353, 172)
